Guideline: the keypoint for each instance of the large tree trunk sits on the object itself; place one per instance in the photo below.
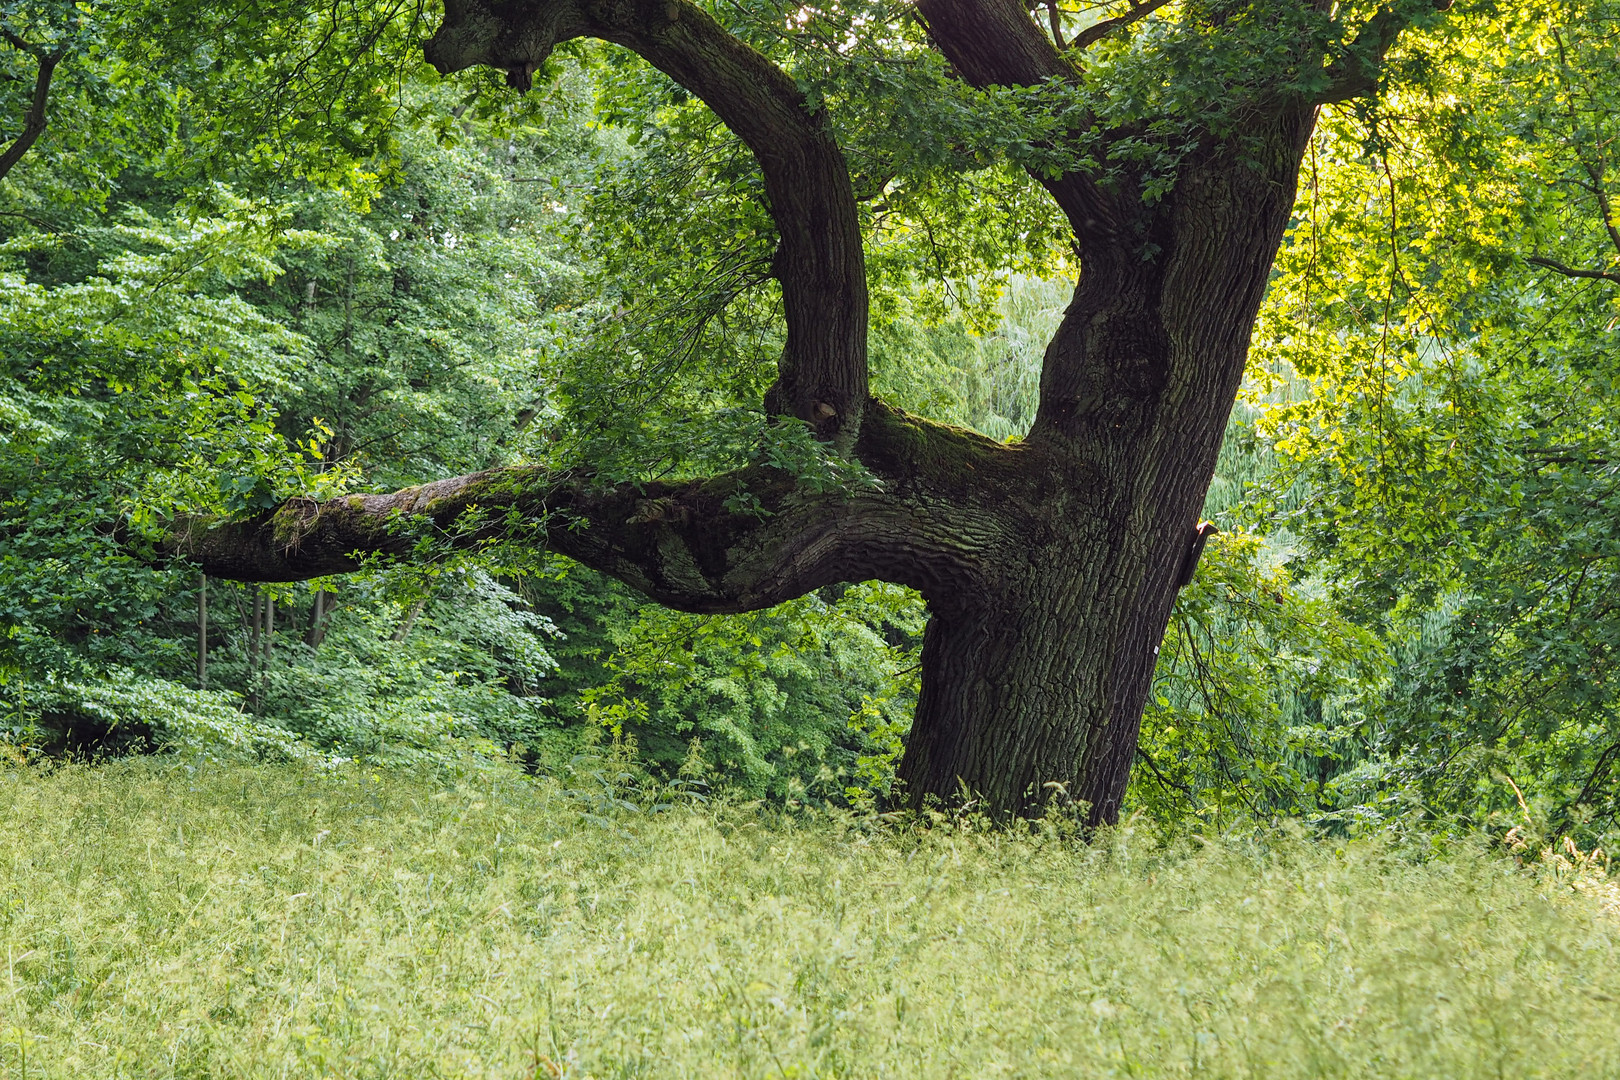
(1034, 688)
(1037, 692)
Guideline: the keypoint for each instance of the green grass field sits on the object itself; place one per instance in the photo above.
(161, 921)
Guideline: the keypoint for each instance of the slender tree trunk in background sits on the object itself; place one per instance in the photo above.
(256, 621)
(269, 641)
(403, 631)
(255, 702)
(202, 632)
(348, 312)
(319, 608)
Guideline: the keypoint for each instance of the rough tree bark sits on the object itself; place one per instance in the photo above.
(1050, 566)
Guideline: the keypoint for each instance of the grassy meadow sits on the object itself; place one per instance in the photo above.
(165, 920)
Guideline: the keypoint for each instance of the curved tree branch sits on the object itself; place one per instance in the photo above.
(35, 120)
(820, 263)
(996, 43)
(1594, 169)
(1569, 271)
(1096, 32)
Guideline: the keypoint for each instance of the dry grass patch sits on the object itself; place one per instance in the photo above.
(157, 921)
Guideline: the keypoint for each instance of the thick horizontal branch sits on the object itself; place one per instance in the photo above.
(820, 263)
(682, 545)
(1570, 271)
(740, 541)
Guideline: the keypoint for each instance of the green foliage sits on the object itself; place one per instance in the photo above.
(433, 318)
(406, 670)
(220, 354)
(287, 86)
(986, 378)
(1455, 439)
(199, 723)
(105, 110)
(1259, 695)
(118, 407)
(799, 701)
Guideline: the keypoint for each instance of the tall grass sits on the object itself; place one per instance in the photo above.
(160, 921)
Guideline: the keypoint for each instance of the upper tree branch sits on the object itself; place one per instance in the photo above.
(993, 42)
(1095, 33)
(1355, 73)
(820, 262)
(1605, 206)
(996, 43)
(1055, 18)
(1569, 271)
(1594, 170)
(34, 121)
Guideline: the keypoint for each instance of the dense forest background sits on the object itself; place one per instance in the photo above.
(271, 255)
